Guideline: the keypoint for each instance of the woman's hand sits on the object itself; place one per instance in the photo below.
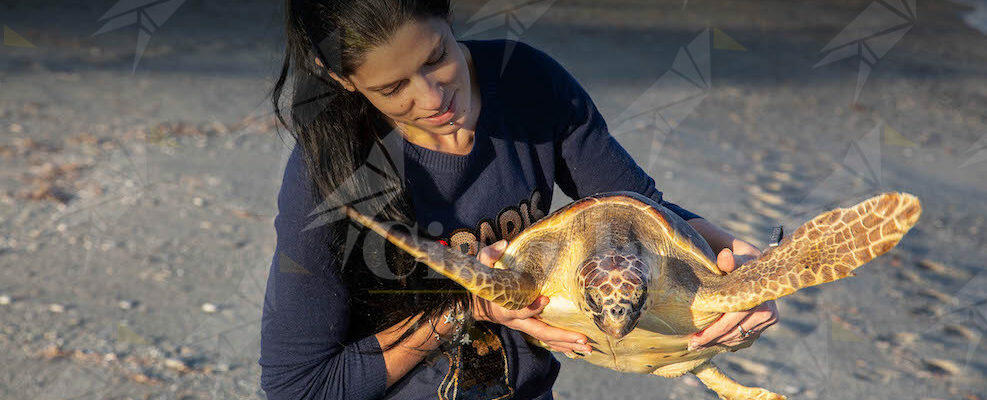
(524, 320)
(727, 330)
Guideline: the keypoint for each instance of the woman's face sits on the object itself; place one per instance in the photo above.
(416, 76)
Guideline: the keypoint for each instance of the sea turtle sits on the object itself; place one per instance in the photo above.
(638, 280)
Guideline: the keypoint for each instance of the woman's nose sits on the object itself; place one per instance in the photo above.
(431, 97)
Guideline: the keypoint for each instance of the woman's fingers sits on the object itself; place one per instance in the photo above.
(722, 327)
(564, 347)
(755, 321)
(557, 339)
(724, 260)
(742, 253)
(484, 310)
(552, 335)
(532, 310)
(490, 254)
(766, 316)
(736, 337)
(761, 318)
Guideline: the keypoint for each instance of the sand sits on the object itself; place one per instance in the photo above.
(136, 204)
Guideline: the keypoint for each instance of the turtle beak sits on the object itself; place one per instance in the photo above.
(618, 320)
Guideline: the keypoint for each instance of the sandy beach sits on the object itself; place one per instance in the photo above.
(137, 194)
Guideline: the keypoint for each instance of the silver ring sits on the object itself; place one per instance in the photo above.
(744, 334)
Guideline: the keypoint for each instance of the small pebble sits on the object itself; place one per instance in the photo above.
(56, 308)
(209, 308)
(5, 300)
(125, 305)
(140, 378)
(175, 364)
(198, 202)
(51, 351)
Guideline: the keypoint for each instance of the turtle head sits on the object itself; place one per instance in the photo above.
(614, 289)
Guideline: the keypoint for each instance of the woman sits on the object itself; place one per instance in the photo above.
(473, 142)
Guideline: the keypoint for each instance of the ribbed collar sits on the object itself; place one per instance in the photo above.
(439, 162)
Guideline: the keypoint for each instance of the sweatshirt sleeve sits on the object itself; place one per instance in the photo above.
(591, 160)
(306, 312)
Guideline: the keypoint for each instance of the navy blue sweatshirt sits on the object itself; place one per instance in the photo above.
(537, 128)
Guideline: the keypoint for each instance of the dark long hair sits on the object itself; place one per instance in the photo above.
(336, 131)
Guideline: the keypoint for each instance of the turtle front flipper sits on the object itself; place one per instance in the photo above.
(727, 388)
(827, 248)
(511, 289)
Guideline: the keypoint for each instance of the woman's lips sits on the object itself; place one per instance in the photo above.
(446, 116)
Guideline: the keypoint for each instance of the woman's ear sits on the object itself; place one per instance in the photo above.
(345, 82)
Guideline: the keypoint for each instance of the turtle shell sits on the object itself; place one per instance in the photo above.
(676, 256)
(655, 275)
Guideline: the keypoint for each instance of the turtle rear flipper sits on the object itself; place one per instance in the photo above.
(509, 288)
(727, 388)
(827, 248)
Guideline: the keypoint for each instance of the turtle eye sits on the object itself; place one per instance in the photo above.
(593, 299)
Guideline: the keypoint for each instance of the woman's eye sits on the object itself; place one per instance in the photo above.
(429, 63)
(392, 91)
(441, 56)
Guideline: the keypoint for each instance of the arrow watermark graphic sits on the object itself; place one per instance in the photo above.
(858, 173)
(13, 39)
(233, 339)
(148, 15)
(670, 99)
(514, 16)
(76, 382)
(968, 313)
(369, 190)
(977, 152)
(811, 353)
(125, 179)
(951, 341)
(870, 36)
